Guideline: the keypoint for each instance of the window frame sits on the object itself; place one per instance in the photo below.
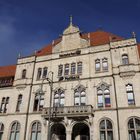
(39, 73)
(125, 59)
(106, 128)
(19, 102)
(35, 131)
(24, 74)
(15, 129)
(104, 61)
(79, 68)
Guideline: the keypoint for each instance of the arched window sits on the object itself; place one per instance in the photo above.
(79, 68)
(97, 65)
(45, 70)
(125, 59)
(103, 96)
(15, 131)
(59, 98)
(38, 102)
(36, 131)
(79, 96)
(19, 101)
(130, 94)
(39, 73)
(104, 64)
(134, 129)
(24, 74)
(106, 130)
(1, 130)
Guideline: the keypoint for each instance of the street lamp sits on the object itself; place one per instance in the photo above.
(50, 80)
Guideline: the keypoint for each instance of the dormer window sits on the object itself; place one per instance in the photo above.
(24, 74)
(125, 59)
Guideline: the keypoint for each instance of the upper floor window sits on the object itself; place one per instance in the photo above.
(79, 68)
(1, 130)
(134, 129)
(24, 73)
(106, 130)
(45, 70)
(19, 101)
(59, 98)
(39, 73)
(125, 59)
(60, 70)
(15, 131)
(38, 102)
(97, 65)
(4, 104)
(103, 95)
(66, 69)
(130, 94)
(79, 96)
(36, 131)
(104, 64)
(73, 68)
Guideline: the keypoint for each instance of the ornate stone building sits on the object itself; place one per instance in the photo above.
(84, 86)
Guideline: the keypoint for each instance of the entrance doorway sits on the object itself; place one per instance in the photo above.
(58, 132)
(80, 132)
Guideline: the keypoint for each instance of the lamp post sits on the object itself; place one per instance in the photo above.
(50, 80)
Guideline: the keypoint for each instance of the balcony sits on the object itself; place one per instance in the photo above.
(69, 111)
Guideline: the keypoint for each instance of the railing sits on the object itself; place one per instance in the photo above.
(68, 111)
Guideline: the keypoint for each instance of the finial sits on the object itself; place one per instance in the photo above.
(70, 19)
(134, 34)
(19, 55)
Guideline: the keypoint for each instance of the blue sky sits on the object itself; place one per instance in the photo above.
(27, 25)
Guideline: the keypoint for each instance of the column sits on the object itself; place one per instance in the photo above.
(68, 135)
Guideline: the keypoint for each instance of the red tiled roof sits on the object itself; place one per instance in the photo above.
(7, 71)
(101, 37)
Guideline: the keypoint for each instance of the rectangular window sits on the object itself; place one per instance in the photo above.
(39, 73)
(79, 68)
(105, 64)
(77, 101)
(130, 98)
(60, 70)
(19, 103)
(4, 104)
(73, 68)
(67, 69)
(45, 70)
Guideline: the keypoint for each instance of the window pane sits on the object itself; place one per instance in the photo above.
(100, 100)
(107, 101)
(102, 124)
(132, 135)
(79, 68)
(109, 124)
(60, 70)
(12, 137)
(138, 135)
(62, 101)
(137, 123)
(17, 136)
(131, 123)
(102, 135)
(83, 100)
(77, 101)
(42, 102)
(73, 68)
(39, 136)
(105, 66)
(67, 69)
(110, 135)
(1, 135)
(33, 137)
(97, 66)
(130, 98)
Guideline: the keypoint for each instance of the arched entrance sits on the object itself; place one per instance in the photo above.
(58, 132)
(80, 132)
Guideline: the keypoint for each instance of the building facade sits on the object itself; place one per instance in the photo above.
(83, 86)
